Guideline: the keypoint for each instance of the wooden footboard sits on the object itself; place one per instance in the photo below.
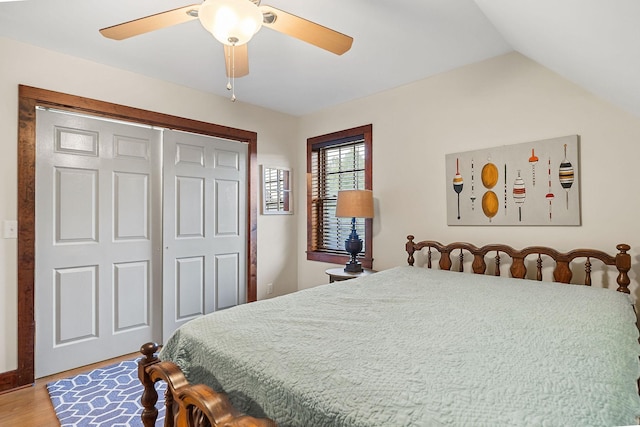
(186, 405)
(561, 271)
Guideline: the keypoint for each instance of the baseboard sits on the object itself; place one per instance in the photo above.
(8, 381)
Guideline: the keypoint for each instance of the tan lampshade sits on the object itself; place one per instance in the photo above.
(355, 204)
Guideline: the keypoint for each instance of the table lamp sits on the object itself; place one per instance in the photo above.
(354, 204)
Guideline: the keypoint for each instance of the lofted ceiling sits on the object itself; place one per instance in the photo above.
(594, 43)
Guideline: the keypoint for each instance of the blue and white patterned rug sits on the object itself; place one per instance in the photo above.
(108, 396)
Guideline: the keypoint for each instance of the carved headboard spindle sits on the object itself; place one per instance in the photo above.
(478, 265)
(497, 260)
(410, 248)
(445, 258)
(623, 263)
(461, 261)
(518, 269)
(539, 268)
(587, 271)
(562, 272)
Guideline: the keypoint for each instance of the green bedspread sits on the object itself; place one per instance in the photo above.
(416, 347)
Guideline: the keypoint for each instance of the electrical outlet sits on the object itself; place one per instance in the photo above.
(269, 288)
(10, 229)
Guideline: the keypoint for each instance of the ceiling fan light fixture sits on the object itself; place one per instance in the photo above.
(231, 22)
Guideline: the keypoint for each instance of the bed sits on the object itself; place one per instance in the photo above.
(417, 346)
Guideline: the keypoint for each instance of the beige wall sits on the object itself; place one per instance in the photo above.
(501, 101)
(24, 64)
(505, 100)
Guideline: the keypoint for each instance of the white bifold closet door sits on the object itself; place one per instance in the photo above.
(204, 229)
(98, 242)
(138, 230)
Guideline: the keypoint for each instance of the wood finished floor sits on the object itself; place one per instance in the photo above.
(31, 406)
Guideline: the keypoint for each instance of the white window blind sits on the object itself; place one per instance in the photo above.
(335, 167)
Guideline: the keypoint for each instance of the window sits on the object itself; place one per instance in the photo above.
(337, 161)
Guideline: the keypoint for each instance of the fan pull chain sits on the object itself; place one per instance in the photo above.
(231, 80)
(233, 73)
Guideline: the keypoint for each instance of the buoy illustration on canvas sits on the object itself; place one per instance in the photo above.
(489, 176)
(473, 196)
(549, 195)
(505, 185)
(565, 174)
(505, 189)
(519, 194)
(457, 184)
(532, 161)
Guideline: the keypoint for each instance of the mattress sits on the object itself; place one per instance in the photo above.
(416, 347)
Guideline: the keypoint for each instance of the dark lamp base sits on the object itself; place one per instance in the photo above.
(353, 245)
(353, 268)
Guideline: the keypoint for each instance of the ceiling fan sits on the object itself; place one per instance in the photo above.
(233, 23)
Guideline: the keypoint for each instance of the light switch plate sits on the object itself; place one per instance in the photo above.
(10, 229)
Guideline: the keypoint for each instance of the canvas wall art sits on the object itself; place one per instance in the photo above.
(533, 183)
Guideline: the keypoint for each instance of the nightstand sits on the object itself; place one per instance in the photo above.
(338, 274)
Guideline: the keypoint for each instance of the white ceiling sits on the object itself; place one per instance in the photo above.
(595, 43)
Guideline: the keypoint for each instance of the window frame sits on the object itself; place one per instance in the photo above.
(334, 139)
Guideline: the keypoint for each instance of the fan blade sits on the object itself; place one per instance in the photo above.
(236, 57)
(307, 31)
(151, 23)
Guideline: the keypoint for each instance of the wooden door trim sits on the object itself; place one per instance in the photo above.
(29, 99)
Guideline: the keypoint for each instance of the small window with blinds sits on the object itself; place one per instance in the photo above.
(335, 162)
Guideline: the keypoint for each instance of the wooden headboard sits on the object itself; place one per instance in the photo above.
(561, 272)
